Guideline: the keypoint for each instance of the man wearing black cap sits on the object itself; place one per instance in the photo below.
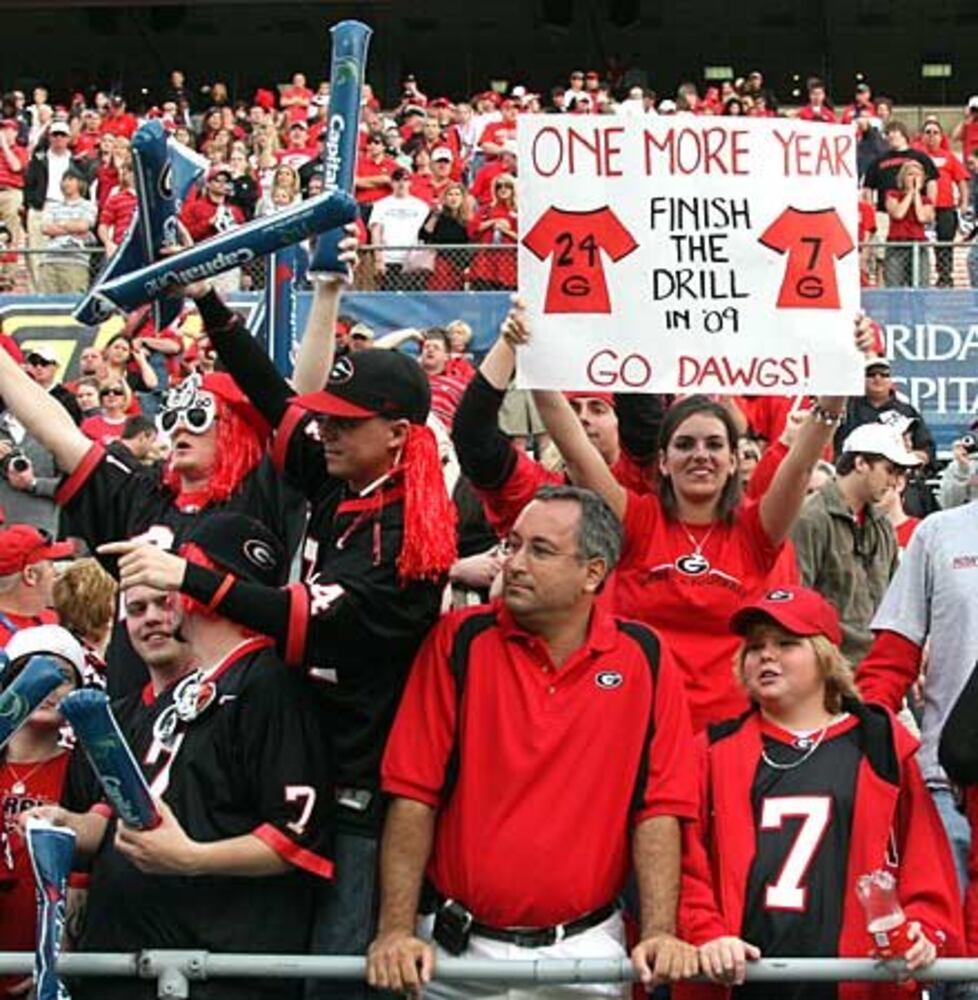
(239, 763)
(380, 541)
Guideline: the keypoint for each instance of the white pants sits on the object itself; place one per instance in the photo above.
(604, 940)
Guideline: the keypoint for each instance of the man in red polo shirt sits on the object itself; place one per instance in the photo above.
(494, 136)
(540, 751)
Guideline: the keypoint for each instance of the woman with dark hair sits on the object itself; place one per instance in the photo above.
(694, 550)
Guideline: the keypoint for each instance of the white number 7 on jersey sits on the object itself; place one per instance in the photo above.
(305, 794)
(815, 811)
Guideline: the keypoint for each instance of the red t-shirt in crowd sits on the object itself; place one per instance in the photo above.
(102, 429)
(969, 137)
(43, 785)
(297, 112)
(124, 125)
(950, 170)
(689, 599)
(296, 158)
(447, 389)
(574, 241)
(822, 114)
(813, 242)
(498, 133)
(909, 228)
(13, 178)
(204, 218)
(867, 220)
(86, 144)
(368, 168)
(481, 188)
(549, 761)
(117, 212)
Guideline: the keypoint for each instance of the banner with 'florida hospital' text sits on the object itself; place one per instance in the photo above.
(683, 254)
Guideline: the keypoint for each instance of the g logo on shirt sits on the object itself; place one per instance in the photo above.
(259, 553)
(607, 680)
(693, 565)
(779, 596)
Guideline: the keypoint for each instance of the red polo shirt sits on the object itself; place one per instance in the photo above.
(13, 178)
(537, 829)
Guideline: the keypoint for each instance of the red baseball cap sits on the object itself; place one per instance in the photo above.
(797, 609)
(22, 544)
(605, 397)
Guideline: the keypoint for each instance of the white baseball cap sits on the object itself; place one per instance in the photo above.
(47, 639)
(973, 101)
(878, 439)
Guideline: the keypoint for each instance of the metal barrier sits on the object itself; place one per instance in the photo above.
(174, 971)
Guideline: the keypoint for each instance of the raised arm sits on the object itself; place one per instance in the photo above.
(42, 415)
(781, 504)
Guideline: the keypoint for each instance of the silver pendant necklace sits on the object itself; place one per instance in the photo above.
(694, 563)
(813, 743)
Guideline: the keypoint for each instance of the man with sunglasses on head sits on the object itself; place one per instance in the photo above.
(380, 541)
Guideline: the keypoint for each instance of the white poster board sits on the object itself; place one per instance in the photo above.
(688, 254)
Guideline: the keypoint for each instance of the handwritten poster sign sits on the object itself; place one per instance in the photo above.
(686, 254)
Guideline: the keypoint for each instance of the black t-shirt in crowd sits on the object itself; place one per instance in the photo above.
(797, 888)
(882, 173)
(253, 761)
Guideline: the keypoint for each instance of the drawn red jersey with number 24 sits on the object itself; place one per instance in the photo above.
(813, 242)
(576, 239)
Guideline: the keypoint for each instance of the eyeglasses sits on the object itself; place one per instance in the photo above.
(878, 373)
(932, 131)
(112, 390)
(197, 419)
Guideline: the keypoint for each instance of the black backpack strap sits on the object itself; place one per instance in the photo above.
(648, 642)
(458, 661)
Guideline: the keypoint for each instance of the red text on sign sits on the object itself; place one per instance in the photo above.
(590, 151)
(810, 156)
(697, 151)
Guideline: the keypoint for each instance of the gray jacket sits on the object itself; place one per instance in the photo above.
(957, 485)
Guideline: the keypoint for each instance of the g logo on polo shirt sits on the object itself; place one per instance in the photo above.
(607, 680)
(342, 371)
(779, 596)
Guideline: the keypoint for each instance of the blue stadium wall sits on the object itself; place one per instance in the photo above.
(932, 336)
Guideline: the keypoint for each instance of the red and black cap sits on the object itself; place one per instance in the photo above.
(797, 609)
(239, 544)
(375, 383)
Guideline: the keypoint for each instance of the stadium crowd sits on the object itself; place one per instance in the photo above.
(418, 665)
(431, 173)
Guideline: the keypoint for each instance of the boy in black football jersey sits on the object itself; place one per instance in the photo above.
(801, 795)
(237, 757)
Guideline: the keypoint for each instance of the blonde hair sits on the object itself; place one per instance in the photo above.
(84, 597)
(835, 670)
(503, 179)
(910, 167)
(460, 327)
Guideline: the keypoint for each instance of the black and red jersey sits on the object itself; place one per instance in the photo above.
(350, 625)
(774, 857)
(255, 760)
(108, 499)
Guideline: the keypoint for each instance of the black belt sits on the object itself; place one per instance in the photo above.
(524, 937)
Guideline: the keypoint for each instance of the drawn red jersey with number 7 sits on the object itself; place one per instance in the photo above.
(575, 241)
(813, 241)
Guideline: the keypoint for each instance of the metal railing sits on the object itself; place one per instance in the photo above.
(486, 267)
(175, 971)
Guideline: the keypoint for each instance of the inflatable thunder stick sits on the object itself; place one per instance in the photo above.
(51, 849)
(349, 62)
(25, 692)
(98, 732)
(230, 249)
